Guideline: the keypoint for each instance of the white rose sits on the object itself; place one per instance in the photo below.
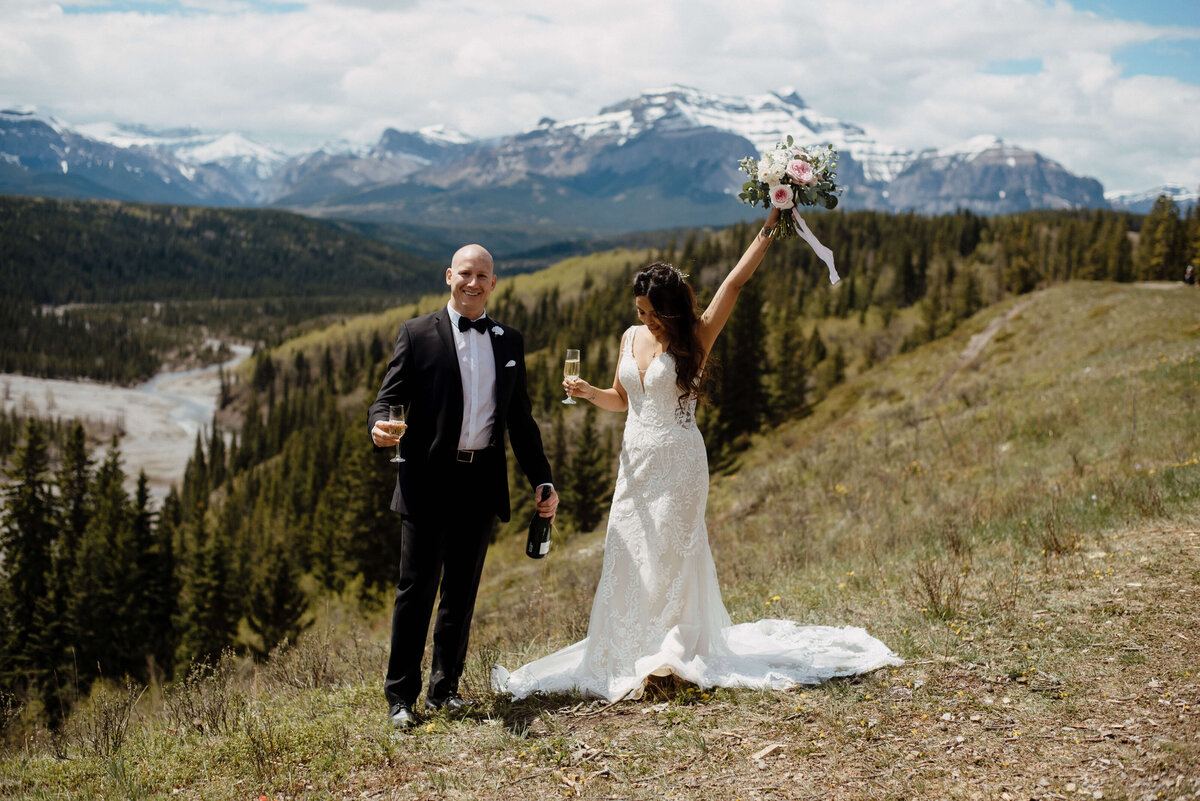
(771, 168)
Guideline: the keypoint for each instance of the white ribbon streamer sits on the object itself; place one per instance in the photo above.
(823, 253)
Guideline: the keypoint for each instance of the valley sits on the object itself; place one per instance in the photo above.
(157, 422)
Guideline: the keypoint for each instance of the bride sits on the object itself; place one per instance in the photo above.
(658, 607)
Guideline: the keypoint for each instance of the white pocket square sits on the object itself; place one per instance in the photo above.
(511, 363)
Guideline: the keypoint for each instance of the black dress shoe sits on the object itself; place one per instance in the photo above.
(402, 716)
(452, 702)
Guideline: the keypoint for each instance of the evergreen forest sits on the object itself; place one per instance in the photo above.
(111, 291)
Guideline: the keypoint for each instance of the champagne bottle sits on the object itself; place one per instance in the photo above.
(538, 544)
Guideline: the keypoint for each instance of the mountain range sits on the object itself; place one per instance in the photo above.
(664, 159)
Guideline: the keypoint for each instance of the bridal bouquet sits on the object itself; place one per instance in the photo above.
(790, 176)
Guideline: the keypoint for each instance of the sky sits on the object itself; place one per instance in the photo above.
(1108, 88)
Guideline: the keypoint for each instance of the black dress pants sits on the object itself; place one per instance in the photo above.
(447, 548)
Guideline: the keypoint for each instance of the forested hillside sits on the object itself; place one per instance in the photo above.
(110, 291)
(60, 252)
(1017, 520)
(297, 498)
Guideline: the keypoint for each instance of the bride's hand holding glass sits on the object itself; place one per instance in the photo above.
(578, 388)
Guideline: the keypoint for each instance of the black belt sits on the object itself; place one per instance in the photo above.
(467, 457)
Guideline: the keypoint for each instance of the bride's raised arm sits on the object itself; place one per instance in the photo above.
(718, 311)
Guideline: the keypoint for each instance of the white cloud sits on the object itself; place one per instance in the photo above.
(913, 74)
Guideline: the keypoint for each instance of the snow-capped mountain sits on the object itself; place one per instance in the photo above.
(1142, 202)
(763, 120)
(247, 164)
(332, 171)
(42, 155)
(665, 158)
(989, 176)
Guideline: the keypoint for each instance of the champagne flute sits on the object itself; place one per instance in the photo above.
(396, 416)
(571, 371)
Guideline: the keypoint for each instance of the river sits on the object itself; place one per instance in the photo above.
(160, 417)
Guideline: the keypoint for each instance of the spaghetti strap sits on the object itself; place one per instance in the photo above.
(627, 341)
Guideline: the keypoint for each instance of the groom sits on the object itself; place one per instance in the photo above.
(462, 377)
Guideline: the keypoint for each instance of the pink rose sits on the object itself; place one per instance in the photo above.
(781, 197)
(801, 172)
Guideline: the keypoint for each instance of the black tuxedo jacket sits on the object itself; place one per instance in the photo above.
(424, 375)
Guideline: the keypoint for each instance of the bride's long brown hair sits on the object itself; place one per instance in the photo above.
(675, 306)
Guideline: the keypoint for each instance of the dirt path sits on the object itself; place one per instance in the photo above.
(977, 343)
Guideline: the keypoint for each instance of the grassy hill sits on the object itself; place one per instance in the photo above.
(1013, 508)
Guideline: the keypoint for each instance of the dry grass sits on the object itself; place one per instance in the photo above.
(1027, 537)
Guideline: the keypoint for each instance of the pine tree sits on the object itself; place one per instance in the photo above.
(1161, 246)
(146, 565)
(253, 448)
(815, 351)
(27, 540)
(209, 610)
(789, 381)
(1192, 236)
(264, 372)
(195, 483)
(372, 548)
(103, 584)
(743, 399)
(161, 590)
(327, 544)
(216, 456)
(52, 629)
(73, 478)
(587, 483)
(1120, 252)
(278, 607)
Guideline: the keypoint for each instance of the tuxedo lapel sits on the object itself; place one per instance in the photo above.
(449, 397)
(441, 321)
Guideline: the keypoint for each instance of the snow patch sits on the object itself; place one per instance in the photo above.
(1176, 192)
(972, 148)
(31, 114)
(444, 133)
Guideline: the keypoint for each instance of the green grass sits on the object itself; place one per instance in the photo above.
(1027, 536)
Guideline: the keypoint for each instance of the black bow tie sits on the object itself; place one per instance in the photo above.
(480, 325)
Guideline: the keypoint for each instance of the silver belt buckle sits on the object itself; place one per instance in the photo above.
(466, 456)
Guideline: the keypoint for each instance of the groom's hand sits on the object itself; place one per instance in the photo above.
(549, 507)
(384, 435)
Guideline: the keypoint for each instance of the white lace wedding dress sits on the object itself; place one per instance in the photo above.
(658, 607)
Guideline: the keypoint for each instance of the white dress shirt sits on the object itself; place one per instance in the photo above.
(477, 367)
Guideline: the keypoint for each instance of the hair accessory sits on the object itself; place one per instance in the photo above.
(680, 274)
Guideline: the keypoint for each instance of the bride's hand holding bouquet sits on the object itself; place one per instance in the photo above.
(789, 176)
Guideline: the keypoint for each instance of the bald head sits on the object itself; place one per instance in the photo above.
(471, 252)
(471, 279)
